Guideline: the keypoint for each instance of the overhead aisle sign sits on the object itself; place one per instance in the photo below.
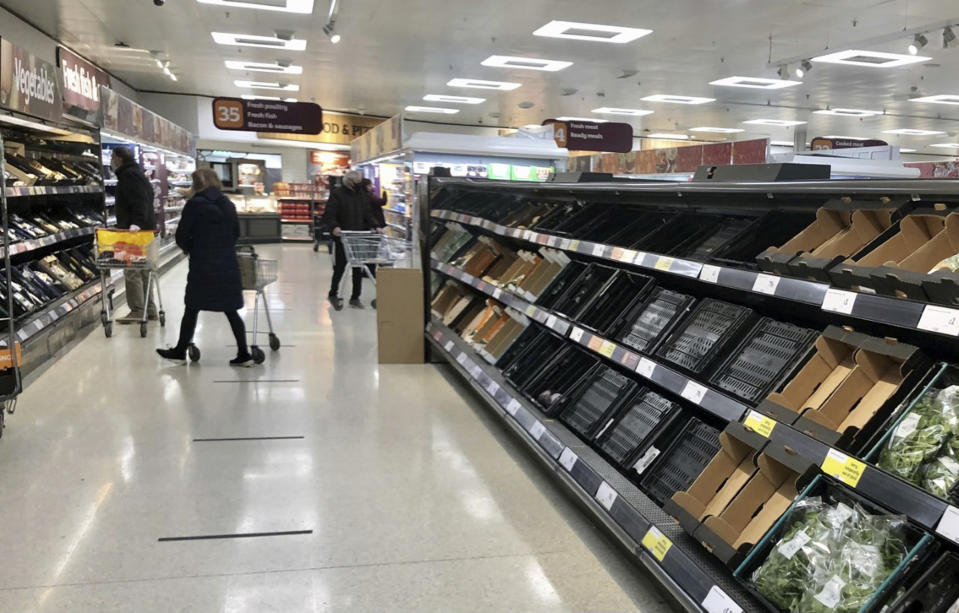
(236, 114)
(593, 136)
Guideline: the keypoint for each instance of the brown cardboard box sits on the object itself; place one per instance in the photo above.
(828, 224)
(864, 227)
(497, 345)
(399, 316)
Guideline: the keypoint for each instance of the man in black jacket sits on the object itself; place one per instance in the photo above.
(348, 208)
(134, 211)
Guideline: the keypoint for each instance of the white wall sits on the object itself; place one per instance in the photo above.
(181, 110)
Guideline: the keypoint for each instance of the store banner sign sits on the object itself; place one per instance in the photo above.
(822, 143)
(236, 114)
(28, 84)
(338, 129)
(593, 136)
(126, 118)
(385, 138)
(81, 81)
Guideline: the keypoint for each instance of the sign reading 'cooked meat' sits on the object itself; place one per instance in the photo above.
(267, 116)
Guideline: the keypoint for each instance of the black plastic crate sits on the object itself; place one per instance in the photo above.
(677, 468)
(934, 591)
(518, 346)
(602, 391)
(774, 228)
(523, 215)
(558, 378)
(619, 295)
(560, 213)
(679, 233)
(719, 235)
(651, 320)
(587, 288)
(644, 223)
(626, 435)
(532, 358)
(705, 335)
(768, 353)
(560, 284)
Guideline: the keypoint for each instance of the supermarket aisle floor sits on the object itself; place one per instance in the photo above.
(416, 499)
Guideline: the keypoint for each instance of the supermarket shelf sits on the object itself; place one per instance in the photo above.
(297, 238)
(885, 310)
(52, 313)
(181, 183)
(297, 221)
(51, 190)
(173, 209)
(303, 198)
(655, 539)
(899, 496)
(110, 182)
(396, 226)
(32, 245)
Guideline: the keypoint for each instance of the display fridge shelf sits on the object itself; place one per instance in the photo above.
(922, 507)
(52, 190)
(38, 243)
(697, 581)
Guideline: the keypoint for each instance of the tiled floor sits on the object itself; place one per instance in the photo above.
(417, 499)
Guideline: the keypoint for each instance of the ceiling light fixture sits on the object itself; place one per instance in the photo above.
(525, 63)
(901, 150)
(804, 67)
(912, 132)
(283, 6)
(666, 136)
(592, 119)
(847, 112)
(846, 137)
(918, 42)
(783, 123)
(782, 143)
(253, 40)
(871, 59)
(431, 109)
(756, 82)
(254, 97)
(276, 67)
(677, 99)
(330, 31)
(480, 84)
(608, 110)
(453, 99)
(783, 72)
(591, 31)
(938, 99)
(948, 37)
(287, 87)
(717, 130)
(946, 145)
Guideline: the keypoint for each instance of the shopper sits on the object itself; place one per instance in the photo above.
(376, 203)
(208, 232)
(135, 211)
(348, 209)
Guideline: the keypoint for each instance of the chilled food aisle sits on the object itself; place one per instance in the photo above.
(402, 494)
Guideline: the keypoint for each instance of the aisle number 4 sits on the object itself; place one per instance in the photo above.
(228, 114)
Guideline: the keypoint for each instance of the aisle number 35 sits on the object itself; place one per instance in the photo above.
(228, 114)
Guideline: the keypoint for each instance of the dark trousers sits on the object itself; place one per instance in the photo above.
(188, 327)
(339, 267)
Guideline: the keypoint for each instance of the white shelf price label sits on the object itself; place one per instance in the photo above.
(599, 250)
(766, 284)
(537, 430)
(949, 524)
(576, 334)
(606, 495)
(646, 367)
(512, 406)
(448, 346)
(492, 387)
(461, 358)
(693, 392)
(939, 319)
(551, 321)
(709, 273)
(568, 459)
(718, 601)
(839, 301)
(497, 294)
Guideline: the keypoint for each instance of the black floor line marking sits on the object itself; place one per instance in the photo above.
(240, 535)
(257, 381)
(248, 438)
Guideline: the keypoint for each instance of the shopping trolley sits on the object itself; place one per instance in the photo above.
(127, 250)
(255, 274)
(366, 249)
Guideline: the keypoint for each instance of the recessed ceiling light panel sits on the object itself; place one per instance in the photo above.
(848, 112)
(525, 63)
(912, 132)
(717, 130)
(431, 109)
(264, 67)
(938, 99)
(666, 136)
(755, 82)
(593, 119)
(609, 110)
(480, 84)
(677, 99)
(269, 98)
(784, 123)
(288, 87)
(871, 59)
(782, 143)
(946, 145)
(253, 40)
(591, 31)
(453, 99)
(282, 6)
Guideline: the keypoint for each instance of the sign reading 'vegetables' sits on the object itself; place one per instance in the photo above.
(267, 116)
(28, 84)
(593, 136)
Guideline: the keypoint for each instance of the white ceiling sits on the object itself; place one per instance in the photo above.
(394, 52)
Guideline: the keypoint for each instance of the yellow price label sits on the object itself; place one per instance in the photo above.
(607, 349)
(664, 263)
(657, 543)
(760, 424)
(574, 245)
(846, 469)
(595, 343)
(531, 310)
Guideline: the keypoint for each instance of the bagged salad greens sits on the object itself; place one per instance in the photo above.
(831, 558)
(924, 448)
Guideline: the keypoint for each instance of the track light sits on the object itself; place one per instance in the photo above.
(948, 38)
(918, 42)
(804, 67)
(329, 30)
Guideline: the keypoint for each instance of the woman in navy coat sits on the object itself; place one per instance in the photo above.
(207, 232)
